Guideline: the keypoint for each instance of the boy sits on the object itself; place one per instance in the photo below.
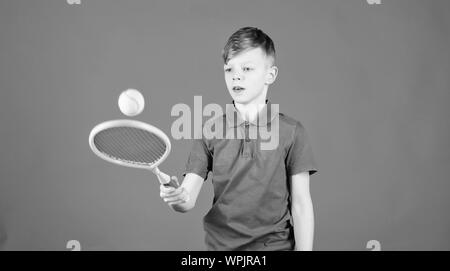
(261, 197)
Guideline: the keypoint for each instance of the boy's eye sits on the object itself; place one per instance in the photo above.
(228, 70)
(247, 69)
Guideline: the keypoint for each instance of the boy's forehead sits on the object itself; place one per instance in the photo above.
(255, 55)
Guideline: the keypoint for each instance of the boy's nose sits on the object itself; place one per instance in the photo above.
(236, 76)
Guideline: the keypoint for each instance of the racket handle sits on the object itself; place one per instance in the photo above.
(165, 179)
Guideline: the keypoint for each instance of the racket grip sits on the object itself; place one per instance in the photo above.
(165, 179)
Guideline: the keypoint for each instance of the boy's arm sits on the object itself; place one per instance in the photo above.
(184, 197)
(302, 212)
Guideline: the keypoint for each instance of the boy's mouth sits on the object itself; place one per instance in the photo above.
(238, 89)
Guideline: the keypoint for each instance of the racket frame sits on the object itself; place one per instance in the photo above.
(163, 178)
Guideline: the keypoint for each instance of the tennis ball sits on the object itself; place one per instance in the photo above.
(131, 102)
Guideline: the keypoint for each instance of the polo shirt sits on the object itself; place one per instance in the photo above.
(251, 205)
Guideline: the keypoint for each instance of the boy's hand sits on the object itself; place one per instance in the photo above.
(173, 196)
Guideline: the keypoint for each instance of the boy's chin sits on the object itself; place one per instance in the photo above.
(241, 100)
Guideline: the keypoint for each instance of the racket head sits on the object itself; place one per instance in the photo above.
(130, 143)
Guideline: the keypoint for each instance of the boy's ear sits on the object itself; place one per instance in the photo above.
(272, 75)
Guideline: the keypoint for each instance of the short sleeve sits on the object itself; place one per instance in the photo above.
(199, 160)
(300, 157)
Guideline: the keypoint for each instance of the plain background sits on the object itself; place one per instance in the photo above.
(370, 83)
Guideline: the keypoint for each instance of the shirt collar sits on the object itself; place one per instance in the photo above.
(265, 116)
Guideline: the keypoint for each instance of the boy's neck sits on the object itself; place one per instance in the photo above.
(250, 111)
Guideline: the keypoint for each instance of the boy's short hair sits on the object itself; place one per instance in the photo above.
(248, 38)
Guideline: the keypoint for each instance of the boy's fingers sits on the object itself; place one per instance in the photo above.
(170, 198)
(182, 196)
(164, 192)
(167, 189)
(166, 196)
(181, 200)
(170, 191)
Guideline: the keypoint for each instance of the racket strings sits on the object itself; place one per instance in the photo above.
(130, 145)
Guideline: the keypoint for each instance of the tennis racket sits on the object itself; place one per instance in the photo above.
(134, 144)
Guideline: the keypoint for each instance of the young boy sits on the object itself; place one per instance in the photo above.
(261, 197)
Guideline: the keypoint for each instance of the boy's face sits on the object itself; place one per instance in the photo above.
(248, 76)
